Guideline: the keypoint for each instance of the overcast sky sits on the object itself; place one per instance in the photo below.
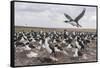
(51, 15)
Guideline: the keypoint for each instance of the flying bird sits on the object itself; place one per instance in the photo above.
(74, 22)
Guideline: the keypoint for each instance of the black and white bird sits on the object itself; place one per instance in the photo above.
(74, 22)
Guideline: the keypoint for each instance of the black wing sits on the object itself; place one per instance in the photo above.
(80, 15)
(67, 16)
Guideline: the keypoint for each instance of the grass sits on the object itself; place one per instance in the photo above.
(37, 29)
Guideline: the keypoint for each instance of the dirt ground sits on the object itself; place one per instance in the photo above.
(43, 57)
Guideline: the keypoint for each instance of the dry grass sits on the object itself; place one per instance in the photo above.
(37, 29)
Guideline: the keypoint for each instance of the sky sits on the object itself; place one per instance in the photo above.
(52, 15)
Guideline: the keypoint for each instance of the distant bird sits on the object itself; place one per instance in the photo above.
(74, 22)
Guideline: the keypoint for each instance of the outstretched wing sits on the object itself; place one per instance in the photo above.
(80, 15)
(67, 16)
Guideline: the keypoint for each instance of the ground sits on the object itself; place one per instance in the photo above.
(43, 57)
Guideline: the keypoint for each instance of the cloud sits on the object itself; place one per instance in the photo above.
(47, 15)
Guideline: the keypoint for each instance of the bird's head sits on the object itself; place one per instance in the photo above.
(66, 21)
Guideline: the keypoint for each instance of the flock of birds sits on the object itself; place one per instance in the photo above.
(54, 42)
